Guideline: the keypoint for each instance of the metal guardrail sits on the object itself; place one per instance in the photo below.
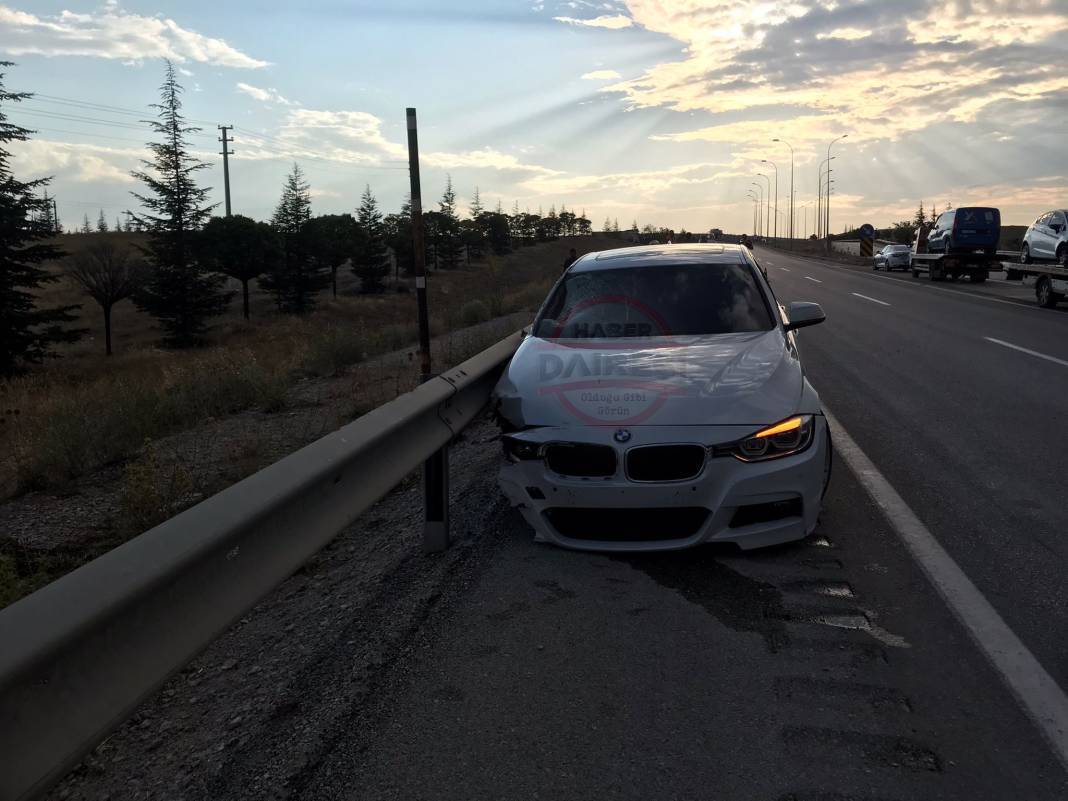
(79, 655)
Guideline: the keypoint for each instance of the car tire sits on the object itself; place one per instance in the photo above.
(979, 276)
(1047, 298)
(1025, 254)
(1062, 255)
(915, 273)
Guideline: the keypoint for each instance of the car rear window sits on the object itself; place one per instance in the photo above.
(978, 216)
(656, 301)
(899, 248)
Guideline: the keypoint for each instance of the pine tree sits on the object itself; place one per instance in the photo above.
(921, 216)
(118, 224)
(476, 205)
(86, 229)
(179, 292)
(449, 245)
(607, 225)
(298, 278)
(101, 223)
(27, 333)
(615, 225)
(370, 262)
(398, 235)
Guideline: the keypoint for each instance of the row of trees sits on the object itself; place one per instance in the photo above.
(904, 231)
(179, 275)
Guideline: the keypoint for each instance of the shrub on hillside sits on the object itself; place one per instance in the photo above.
(474, 312)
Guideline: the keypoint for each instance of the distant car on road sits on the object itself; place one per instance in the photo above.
(1047, 238)
(966, 230)
(660, 403)
(892, 257)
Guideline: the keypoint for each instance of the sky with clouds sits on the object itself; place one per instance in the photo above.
(655, 110)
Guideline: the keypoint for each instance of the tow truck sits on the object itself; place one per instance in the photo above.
(940, 266)
(1050, 279)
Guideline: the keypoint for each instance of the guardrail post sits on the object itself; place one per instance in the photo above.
(436, 501)
(436, 468)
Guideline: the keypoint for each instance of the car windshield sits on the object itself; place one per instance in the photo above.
(656, 301)
(898, 248)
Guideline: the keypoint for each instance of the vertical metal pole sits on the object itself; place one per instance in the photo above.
(226, 153)
(436, 468)
(792, 237)
(55, 217)
(776, 221)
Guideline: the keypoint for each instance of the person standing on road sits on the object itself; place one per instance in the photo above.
(570, 258)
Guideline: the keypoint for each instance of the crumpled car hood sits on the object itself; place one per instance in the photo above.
(724, 379)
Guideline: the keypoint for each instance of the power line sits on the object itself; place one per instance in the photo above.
(288, 152)
(89, 133)
(69, 101)
(129, 126)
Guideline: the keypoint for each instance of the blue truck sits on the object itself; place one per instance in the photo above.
(961, 242)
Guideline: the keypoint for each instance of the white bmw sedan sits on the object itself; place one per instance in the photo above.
(660, 403)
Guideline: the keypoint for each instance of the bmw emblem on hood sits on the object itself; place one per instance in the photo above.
(621, 436)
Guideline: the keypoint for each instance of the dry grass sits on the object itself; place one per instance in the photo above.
(84, 410)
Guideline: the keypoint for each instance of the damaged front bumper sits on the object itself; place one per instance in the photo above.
(751, 504)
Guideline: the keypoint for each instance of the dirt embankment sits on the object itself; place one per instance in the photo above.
(96, 456)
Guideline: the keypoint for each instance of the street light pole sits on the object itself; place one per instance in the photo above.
(827, 210)
(784, 142)
(756, 210)
(767, 206)
(822, 197)
(760, 206)
(772, 163)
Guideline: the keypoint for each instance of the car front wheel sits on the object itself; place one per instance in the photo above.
(1025, 254)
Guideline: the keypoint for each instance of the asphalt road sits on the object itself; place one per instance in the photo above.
(970, 432)
(826, 671)
(829, 670)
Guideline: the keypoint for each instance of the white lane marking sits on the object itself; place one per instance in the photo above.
(904, 280)
(1042, 700)
(810, 278)
(873, 300)
(1028, 351)
(786, 269)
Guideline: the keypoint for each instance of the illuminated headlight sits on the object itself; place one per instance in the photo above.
(782, 439)
(519, 450)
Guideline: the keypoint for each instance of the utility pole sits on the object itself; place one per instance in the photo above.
(436, 468)
(226, 153)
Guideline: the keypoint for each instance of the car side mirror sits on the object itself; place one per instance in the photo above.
(801, 315)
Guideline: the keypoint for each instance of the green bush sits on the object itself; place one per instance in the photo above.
(331, 349)
(474, 312)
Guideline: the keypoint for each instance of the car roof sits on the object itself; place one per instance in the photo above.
(659, 255)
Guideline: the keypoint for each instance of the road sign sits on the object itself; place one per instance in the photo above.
(867, 235)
